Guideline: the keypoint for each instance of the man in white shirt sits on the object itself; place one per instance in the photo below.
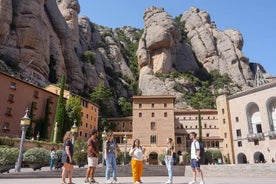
(195, 158)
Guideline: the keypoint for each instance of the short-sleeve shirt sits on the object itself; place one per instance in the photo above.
(110, 146)
(137, 154)
(194, 146)
(95, 145)
(71, 147)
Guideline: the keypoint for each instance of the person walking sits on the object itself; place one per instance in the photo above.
(137, 152)
(67, 157)
(110, 158)
(52, 158)
(92, 156)
(169, 150)
(195, 158)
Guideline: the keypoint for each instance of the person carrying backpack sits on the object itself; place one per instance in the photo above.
(195, 158)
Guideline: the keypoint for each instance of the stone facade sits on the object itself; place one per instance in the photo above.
(253, 123)
(17, 95)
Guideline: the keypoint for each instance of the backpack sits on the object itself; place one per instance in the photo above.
(202, 149)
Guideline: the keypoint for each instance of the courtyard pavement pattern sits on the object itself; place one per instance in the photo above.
(36, 179)
(146, 180)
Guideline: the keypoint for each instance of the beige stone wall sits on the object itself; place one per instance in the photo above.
(238, 105)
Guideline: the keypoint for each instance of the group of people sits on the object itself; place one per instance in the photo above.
(136, 152)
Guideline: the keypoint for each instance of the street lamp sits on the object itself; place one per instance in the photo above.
(74, 130)
(24, 123)
(103, 137)
(125, 142)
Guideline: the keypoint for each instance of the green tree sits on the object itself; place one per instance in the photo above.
(199, 126)
(44, 126)
(73, 110)
(126, 107)
(102, 96)
(60, 112)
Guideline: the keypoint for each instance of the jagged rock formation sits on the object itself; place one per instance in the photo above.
(161, 50)
(217, 49)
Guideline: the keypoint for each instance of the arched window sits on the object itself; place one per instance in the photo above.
(254, 118)
(271, 111)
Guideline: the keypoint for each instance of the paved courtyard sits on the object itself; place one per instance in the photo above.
(146, 180)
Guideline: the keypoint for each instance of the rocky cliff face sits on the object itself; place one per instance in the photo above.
(42, 39)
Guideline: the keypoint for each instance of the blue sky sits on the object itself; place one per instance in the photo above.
(255, 19)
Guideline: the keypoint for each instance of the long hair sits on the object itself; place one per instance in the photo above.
(67, 136)
(134, 142)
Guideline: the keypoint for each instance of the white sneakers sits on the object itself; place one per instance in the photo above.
(112, 181)
(169, 182)
(194, 182)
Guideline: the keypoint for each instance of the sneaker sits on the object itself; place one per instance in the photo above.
(169, 182)
(202, 182)
(109, 181)
(86, 181)
(137, 182)
(115, 181)
(192, 182)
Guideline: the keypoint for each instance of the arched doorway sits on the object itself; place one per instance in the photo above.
(259, 157)
(153, 158)
(242, 158)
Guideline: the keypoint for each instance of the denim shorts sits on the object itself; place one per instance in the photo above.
(195, 163)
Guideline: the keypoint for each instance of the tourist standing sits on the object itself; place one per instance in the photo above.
(137, 152)
(52, 158)
(195, 158)
(92, 156)
(110, 158)
(169, 150)
(67, 157)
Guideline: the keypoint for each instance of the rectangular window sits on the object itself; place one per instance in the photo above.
(259, 128)
(140, 114)
(238, 132)
(35, 94)
(152, 114)
(225, 135)
(178, 140)
(152, 105)
(222, 110)
(152, 126)
(13, 85)
(153, 139)
(140, 105)
(11, 96)
(8, 111)
(165, 114)
(239, 144)
(165, 105)
(256, 142)
(237, 119)
(223, 121)
(87, 116)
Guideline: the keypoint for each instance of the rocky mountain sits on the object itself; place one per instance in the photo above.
(40, 40)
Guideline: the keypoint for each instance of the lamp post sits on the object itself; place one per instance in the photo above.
(125, 143)
(24, 123)
(74, 130)
(103, 137)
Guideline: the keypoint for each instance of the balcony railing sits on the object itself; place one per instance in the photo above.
(255, 136)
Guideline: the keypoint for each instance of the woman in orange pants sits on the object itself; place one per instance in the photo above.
(136, 152)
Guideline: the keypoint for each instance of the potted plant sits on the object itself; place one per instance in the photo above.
(36, 157)
(80, 158)
(8, 157)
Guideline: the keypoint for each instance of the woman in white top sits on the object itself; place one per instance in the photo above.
(137, 152)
